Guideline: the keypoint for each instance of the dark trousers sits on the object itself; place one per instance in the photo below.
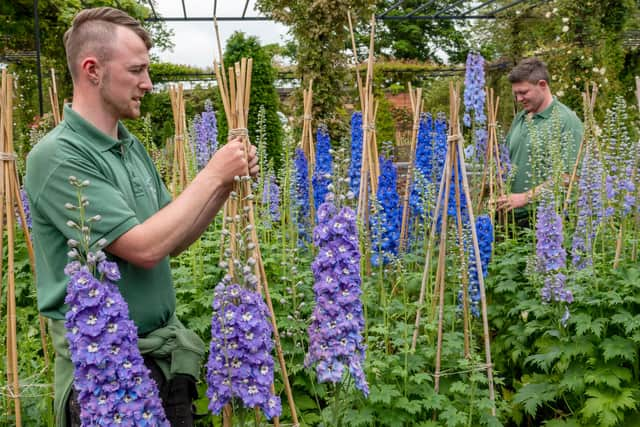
(177, 397)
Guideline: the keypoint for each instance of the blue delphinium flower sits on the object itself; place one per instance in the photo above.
(301, 199)
(205, 128)
(551, 255)
(385, 222)
(452, 210)
(440, 147)
(324, 166)
(335, 332)
(356, 152)
(240, 363)
(484, 232)
(590, 210)
(423, 164)
(474, 95)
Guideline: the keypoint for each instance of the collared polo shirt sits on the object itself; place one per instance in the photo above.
(124, 189)
(529, 138)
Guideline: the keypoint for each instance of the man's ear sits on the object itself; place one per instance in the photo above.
(90, 67)
(543, 83)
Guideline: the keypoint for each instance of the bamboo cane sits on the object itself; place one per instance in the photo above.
(180, 177)
(370, 165)
(308, 147)
(589, 101)
(483, 297)
(53, 98)
(416, 107)
(493, 164)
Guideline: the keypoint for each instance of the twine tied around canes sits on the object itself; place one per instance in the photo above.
(9, 157)
(371, 127)
(237, 132)
(454, 138)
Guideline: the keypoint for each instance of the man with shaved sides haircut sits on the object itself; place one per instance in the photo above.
(108, 57)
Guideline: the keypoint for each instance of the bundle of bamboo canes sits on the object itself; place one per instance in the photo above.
(180, 173)
(416, 107)
(11, 202)
(370, 168)
(455, 156)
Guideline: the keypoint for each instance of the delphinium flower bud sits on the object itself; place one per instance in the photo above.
(335, 332)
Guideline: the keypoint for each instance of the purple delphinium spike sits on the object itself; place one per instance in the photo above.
(206, 134)
(356, 152)
(271, 197)
(385, 222)
(551, 255)
(114, 386)
(335, 332)
(324, 166)
(240, 363)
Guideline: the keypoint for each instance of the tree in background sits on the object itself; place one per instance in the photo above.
(321, 32)
(17, 36)
(437, 41)
(263, 93)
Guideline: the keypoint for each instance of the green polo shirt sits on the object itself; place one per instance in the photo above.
(125, 189)
(529, 142)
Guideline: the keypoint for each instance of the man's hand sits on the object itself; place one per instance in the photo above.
(512, 201)
(230, 161)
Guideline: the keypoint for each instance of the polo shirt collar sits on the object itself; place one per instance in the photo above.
(101, 140)
(546, 113)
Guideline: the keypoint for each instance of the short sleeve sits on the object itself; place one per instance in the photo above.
(103, 196)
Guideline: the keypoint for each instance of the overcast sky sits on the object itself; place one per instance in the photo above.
(195, 41)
